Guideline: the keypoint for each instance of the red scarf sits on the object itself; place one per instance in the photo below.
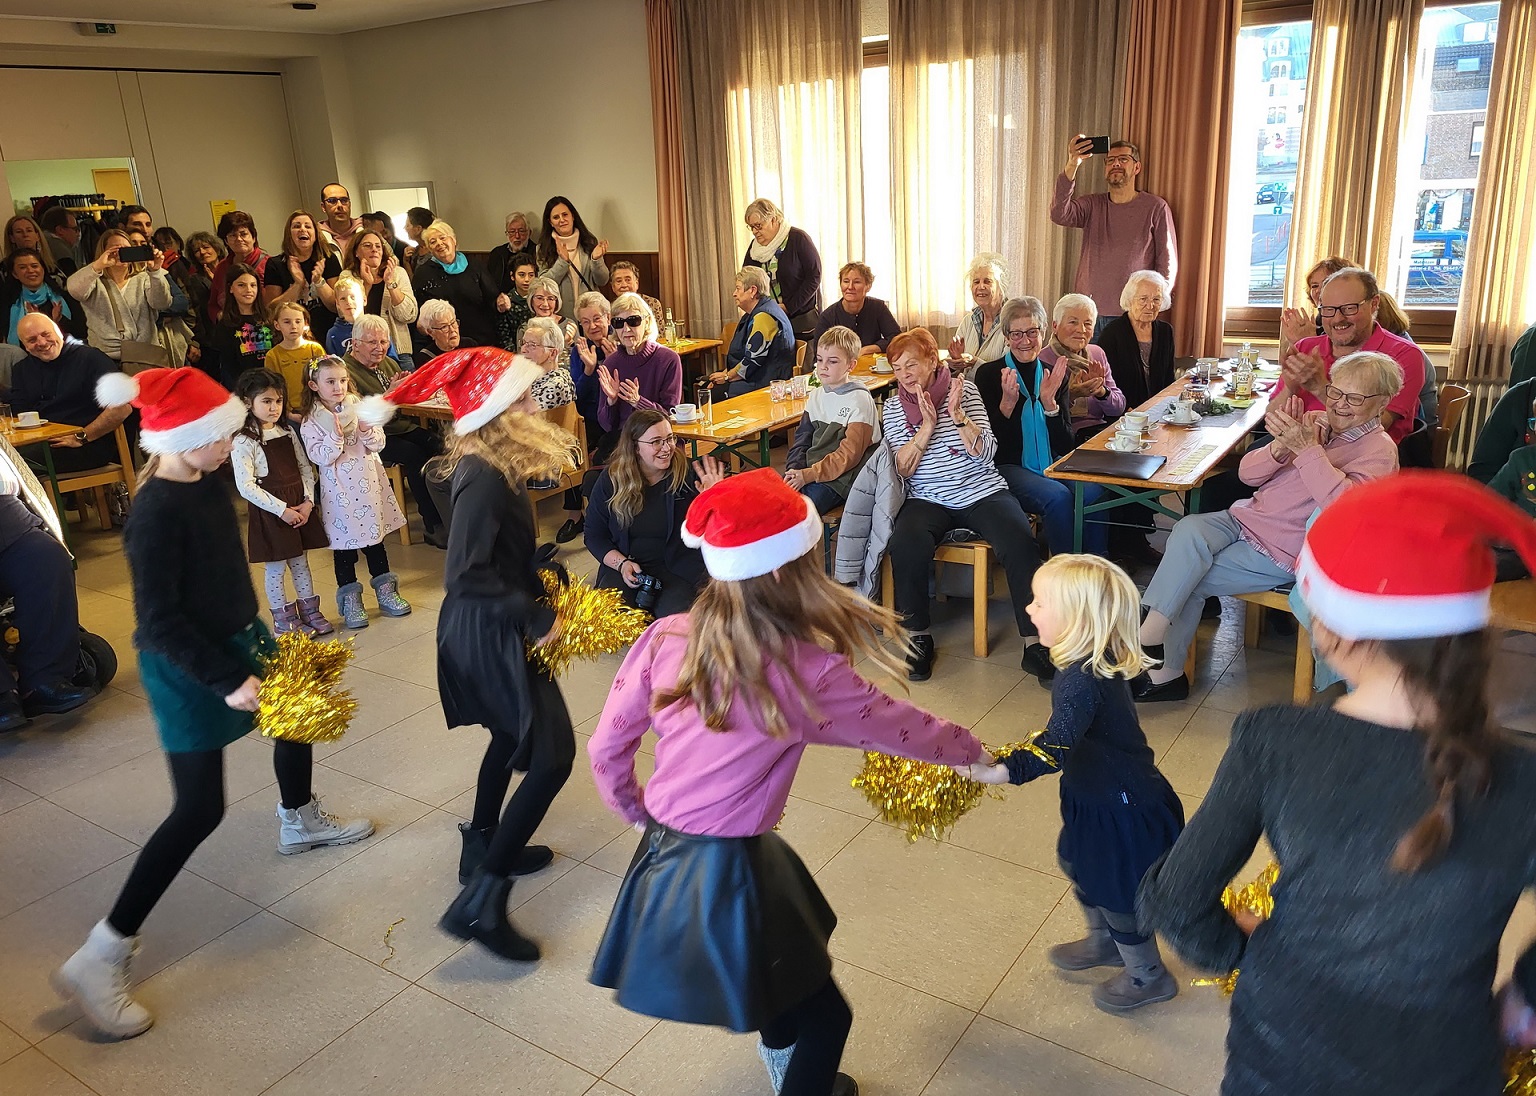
(938, 392)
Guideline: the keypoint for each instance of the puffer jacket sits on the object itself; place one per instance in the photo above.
(869, 516)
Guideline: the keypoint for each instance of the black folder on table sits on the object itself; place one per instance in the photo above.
(1104, 462)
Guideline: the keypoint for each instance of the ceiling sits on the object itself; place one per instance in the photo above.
(330, 16)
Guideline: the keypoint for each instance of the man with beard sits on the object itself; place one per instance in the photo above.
(1123, 231)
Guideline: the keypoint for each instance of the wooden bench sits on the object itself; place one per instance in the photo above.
(977, 554)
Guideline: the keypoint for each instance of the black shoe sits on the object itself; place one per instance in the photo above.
(12, 716)
(438, 538)
(1037, 660)
(1147, 693)
(533, 858)
(920, 659)
(477, 842)
(63, 697)
(480, 913)
(1211, 610)
(572, 529)
(844, 1085)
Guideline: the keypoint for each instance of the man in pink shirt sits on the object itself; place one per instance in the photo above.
(1348, 304)
(340, 226)
(1123, 231)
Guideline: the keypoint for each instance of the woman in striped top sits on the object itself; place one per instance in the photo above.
(942, 445)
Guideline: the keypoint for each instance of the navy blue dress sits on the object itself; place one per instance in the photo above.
(1119, 815)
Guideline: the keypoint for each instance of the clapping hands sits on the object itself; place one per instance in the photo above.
(1292, 428)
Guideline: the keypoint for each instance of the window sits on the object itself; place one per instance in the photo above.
(1477, 140)
(1468, 64)
(1279, 70)
(1474, 32)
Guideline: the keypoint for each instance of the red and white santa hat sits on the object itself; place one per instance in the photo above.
(750, 524)
(179, 409)
(480, 381)
(1407, 557)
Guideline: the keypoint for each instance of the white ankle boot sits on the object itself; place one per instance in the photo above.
(96, 978)
(309, 827)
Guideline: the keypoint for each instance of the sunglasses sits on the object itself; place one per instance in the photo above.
(628, 321)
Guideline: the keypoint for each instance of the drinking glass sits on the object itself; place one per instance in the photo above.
(777, 390)
(6, 425)
(704, 397)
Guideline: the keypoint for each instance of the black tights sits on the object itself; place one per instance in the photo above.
(345, 562)
(197, 780)
(549, 767)
(818, 1029)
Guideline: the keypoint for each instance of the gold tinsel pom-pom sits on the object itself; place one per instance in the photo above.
(597, 622)
(1520, 1073)
(301, 695)
(1254, 898)
(927, 799)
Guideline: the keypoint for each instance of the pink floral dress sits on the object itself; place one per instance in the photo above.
(357, 503)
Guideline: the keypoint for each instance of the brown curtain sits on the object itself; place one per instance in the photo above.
(1178, 108)
(1346, 175)
(984, 98)
(666, 124)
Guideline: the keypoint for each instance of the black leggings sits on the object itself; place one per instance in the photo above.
(345, 562)
(197, 780)
(549, 767)
(818, 1030)
(411, 450)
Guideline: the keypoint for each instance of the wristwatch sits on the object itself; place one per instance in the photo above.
(80, 437)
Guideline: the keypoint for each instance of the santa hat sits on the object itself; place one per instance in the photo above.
(481, 382)
(179, 409)
(750, 524)
(1407, 557)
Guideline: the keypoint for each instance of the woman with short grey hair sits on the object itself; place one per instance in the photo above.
(789, 259)
(1138, 345)
(543, 344)
(980, 337)
(437, 320)
(448, 274)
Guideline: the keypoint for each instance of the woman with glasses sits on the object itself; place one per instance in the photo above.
(635, 516)
(792, 263)
(386, 288)
(238, 232)
(1138, 345)
(448, 274)
(543, 344)
(1312, 459)
(639, 373)
(545, 303)
(438, 321)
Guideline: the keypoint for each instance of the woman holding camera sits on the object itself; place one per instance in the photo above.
(635, 517)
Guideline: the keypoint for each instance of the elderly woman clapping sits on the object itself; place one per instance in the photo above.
(448, 274)
(1138, 345)
(980, 336)
(938, 433)
(1314, 457)
(1093, 396)
(793, 265)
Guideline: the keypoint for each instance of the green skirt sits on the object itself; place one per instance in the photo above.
(189, 715)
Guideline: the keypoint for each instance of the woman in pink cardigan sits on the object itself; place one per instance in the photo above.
(1313, 458)
(718, 922)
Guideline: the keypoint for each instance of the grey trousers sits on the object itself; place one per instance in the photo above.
(1206, 556)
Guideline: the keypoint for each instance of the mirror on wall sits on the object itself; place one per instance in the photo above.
(104, 181)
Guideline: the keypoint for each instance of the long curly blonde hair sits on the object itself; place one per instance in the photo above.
(519, 445)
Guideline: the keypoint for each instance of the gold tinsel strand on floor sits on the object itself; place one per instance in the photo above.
(925, 799)
(1254, 898)
(301, 695)
(597, 622)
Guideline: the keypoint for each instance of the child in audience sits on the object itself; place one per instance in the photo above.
(243, 336)
(838, 428)
(292, 356)
(274, 476)
(1516, 481)
(201, 649)
(717, 921)
(509, 324)
(1118, 813)
(357, 502)
(351, 302)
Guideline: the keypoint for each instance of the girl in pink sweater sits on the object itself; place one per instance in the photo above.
(718, 922)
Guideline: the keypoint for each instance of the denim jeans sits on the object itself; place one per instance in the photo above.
(822, 497)
(1052, 500)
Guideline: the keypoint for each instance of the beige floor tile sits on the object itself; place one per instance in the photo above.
(818, 833)
(47, 932)
(234, 1017)
(1023, 710)
(242, 855)
(382, 701)
(889, 894)
(900, 1035)
(994, 1059)
(417, 756)
(13, 796)
(550, 1003)
(412, 659)
(31, 1073)
(603, 1088)
(1252, 679)
(448, 1050)
(1021, 827)
(61, 750)
(585, 687)
(1179, 1044)
(1190, 763)
(11, 1045)
(961, 689)
(45, 848)
(689, 1060)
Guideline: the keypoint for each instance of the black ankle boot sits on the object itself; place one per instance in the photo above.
(920, 659)
(480, 913)
(476, 842)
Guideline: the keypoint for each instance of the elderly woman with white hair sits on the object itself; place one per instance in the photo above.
(763, 348)
(437, 320)
(1313, 458)
(793, 265)
(979, 338)
(543, 344)
(1092, 395)
(545, 302)
(447, 274)
(639, 372)
(1138, 345)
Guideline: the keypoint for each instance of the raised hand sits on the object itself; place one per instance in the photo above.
(629, 390)
(296, 270)
(954, 404)
(587, 352)
(503, 303)
(1051, 381)
(1011, 391)
(600, 250)
(609, 382)
(1078, 150)
(1305, 372)
(956, 348)
(1295, 325)
(925, 408)
(710, 470)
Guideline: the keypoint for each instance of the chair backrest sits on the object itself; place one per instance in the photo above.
(800, 357)
(728, 333)
(1453, 402)
(1183, 365)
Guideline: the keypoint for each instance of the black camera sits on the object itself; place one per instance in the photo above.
(647, 592)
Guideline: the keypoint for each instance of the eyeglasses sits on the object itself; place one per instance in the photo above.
(660, 443)
(1119, 161)
(628, 321)
(756, 226)
(533, 344)
(1147, 300)
(1342, 309)
(451, 325)
(1354, 399)
(335, 201)
(1033, 334)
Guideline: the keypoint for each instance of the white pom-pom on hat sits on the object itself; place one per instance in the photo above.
(116, 389)
(376, 410)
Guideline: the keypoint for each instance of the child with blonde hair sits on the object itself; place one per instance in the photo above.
(295, 350)
(839, 426)
(1119, 814)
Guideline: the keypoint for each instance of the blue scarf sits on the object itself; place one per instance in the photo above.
(460, 261)
(1037, 438)
(41, 299)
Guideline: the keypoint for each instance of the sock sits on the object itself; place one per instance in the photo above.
(1154, 629)
(1143, 962)
(277, 593)
(303, 581)
(776, 1061)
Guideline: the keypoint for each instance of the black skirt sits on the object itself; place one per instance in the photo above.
(1111, 844)
(726, 931)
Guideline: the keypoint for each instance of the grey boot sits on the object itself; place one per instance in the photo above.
(386, 588)
(1144, 981)
(1097, 949)
(285, 619)
(311, 616)
(349, 603)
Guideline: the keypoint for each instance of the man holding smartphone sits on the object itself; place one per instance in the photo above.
(1124, 231)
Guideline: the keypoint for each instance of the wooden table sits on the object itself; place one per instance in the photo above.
(1193, 453)
(685, 347)
(1514, 605)
(435, 408)
(21, 437)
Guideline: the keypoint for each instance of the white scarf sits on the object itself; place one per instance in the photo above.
(577, 260)
(763, 252)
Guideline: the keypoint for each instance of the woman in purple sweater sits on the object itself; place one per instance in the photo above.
(640, 373)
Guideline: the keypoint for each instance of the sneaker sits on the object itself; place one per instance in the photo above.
(310, 827)
(572, 529)
(920, 659)
(1097, 950)
(97, 978)
(349, 603)
(1127, 993)
(386, 588)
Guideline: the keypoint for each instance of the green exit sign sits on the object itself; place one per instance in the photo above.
(106, 28)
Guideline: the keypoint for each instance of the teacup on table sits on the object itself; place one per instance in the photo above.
(27, 419)
(1184, 413)
(1136, 420)
(686, 412)
(1126, 441)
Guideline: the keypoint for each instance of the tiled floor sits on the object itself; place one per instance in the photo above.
(327, 973)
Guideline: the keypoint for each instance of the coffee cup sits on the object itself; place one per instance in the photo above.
(882, 364)
(1136, 420)
(29, 418)
(1183, 411)
(1127, 441)
(685, 412)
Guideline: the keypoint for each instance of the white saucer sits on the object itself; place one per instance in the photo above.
(17, 424)
(685, 422)
(887, 371)
(1171, 421)
(1113, 448)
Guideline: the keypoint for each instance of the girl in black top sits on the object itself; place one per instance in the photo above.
(243, 336)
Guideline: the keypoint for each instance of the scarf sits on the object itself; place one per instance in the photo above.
(577, 260)
(764, 253)
(938, 392)
(460, 262)
(41, 299)
(1076, 363)
(1037, 439)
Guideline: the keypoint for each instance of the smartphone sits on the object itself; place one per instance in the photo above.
(141, 254)
(1099, 146)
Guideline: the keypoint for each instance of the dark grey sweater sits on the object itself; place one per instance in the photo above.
(1365, 981)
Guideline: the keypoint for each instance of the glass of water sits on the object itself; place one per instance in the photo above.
(6, 423)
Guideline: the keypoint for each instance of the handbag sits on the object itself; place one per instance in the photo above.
(135, 356)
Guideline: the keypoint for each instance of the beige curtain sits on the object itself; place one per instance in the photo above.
(984, 98)
(666, 124)
(1178, 108)
(1346, 176)
(770, 105)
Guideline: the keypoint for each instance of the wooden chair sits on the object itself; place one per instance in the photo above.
(1453, 401)
(569, 419)
(977, 554)
(397, 481)
(829, 524)
(1253, 624)
(96, 480)
(1514, 605)
(727, 335)
(800, 357)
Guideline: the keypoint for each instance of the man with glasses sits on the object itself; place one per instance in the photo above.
(1123, 231)
(340, 226)
(1348, 306)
